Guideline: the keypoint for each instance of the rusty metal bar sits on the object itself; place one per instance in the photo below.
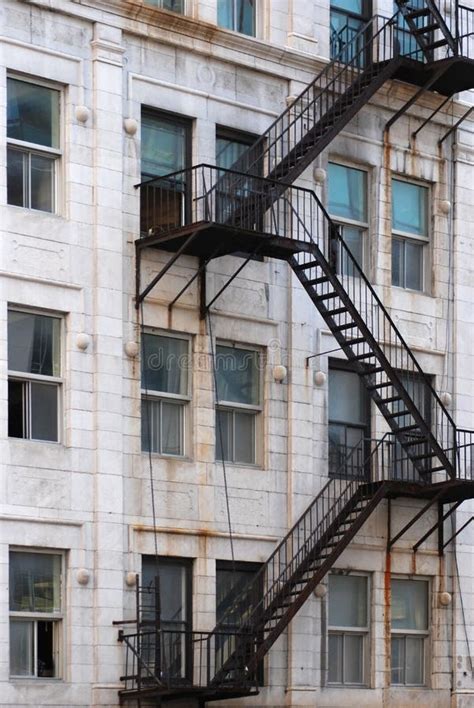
(414, 98)
(431, 116)
(415, 519)
(226, 285)
(198, 272)
(435, 526)
(458, 532)
(456, 125)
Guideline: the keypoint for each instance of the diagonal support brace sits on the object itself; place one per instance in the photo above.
(426, 86)
(415, 519)
(458, 532)
(435, 526)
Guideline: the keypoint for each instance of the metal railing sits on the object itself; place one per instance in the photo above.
(465, 30)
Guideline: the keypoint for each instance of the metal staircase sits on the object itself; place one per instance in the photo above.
(255, 209)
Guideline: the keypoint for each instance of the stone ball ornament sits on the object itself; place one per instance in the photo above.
(83, 576)
(83, 341)
(131, 126)
(320, 591)
(131, 579)
(131, 349)
(319, 378)
(319, 175)
(445, 206)
(445, 598)
(446, 398)
(82, 114)
(280, 373)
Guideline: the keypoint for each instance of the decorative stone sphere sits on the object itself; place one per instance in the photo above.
(82, 341)
(131, 349)
(83, 576)
(130, 125)
(445, 598)
(319, 378)
(320, 590)
(445, 206)
(131, 579)
(446, 398)
(279, 372)
(82, 114)
(319, 175)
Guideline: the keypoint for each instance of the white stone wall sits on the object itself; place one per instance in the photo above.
(90, 495)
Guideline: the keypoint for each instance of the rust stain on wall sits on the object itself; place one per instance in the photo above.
(387, 606)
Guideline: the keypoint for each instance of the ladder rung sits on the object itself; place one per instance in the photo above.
(318, 281)
(337, 311)
(375, 370)
(426, 28)
(424, 12)
(435, 45)
(309, 264)
(424, 457)
(381, 384)
(397, 414)
(360, 357)
(391, 399)
(407, 428)
(346, 325)
(327, 296)
(353, 342)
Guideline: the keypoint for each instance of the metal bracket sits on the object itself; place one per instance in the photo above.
(436, 526)
(431, 116)
(456, 125)
(414, 98)
(415, 519)
(458, 532)
(206, 306)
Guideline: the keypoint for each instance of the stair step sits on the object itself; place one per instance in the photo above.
(397, 414)
(435, 45)
(353, 342)
(337, 311)
(326, 296)
(424, 12)
(375, 370)
(309, 264)
(318, 281)
(360, 357)
(346, 325)
(391, 399)
(426, 28)
(433, 469)
(423, 457)
(407, 428)
(420, 441)
(380, 384)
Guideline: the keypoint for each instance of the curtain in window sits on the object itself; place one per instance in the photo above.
(347, 600)
(165, 364)
(237, 375)
(409, 604)
(32, 113)
(163, 148)
(33, 343)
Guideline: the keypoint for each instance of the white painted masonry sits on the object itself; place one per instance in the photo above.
(89, 495)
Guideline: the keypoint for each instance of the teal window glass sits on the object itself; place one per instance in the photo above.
(163, 146)
(237, 373)
(409, 208)
(32, 113)
(347, 192)
(237, 15)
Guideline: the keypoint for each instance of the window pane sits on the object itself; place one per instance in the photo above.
(45, 650)
(237, 372)
(224, 438)
(171, 428)
(244, 437)
(354, 6)
(413, 266)
(33, 343)
(353, 658)
(151, 425)
(225, 14)
(347, 192)
(398, 660)
(409, 207)
(42, 183)
(33, 113)
(35, 582)
(229, 151)
(16, 174)
(245, 17)
(165, 364)
(21, 648)
(414, 660)
(163, 146)
(398, 270)
(347, 601)
(409, 604)
(347, 401)
(335, 658)
(44, 411)
(16, 409)
(353, 238)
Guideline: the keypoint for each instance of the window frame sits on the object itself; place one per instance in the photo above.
(404, 237)
(42, 150)
(159, 6)
(28, 378)
(425, 635)
(181, 400)
(56, 618)
(343, 222)
(364, 632)
(235, 407)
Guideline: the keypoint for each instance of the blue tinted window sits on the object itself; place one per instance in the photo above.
(409, 208)
(347, 192)
(32, 113)
(237, 15)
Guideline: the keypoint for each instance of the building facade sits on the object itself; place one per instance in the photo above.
(145, 438)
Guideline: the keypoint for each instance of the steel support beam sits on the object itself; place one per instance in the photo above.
(458, 532)
(202, 266)
(456, 125)
(414, 98)
(435, 526)
(430, 117)
(415, 519)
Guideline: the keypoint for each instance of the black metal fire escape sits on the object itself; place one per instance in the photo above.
(255, 209)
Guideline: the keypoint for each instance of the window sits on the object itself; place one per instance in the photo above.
(238, 395)
(173, 5)
(406, 40)
(36, 607)
(349, 422)
(237, 597)
(32, 144)
(410, 622)
(165, 150)
(410, 234)
(348, 629)
(347, 19)
(348, 206)
(231, 145)
(175, 578)
(33, 375)
(165, 393)
(237, 15)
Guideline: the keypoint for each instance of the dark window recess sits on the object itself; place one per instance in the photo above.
(349, 422)
(165, 150)
(175, 591)
(347, 18)
(237, 598)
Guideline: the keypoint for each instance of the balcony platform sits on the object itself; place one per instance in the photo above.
(190, 696)
(454, 490)
(213, 240)
(457, 74)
